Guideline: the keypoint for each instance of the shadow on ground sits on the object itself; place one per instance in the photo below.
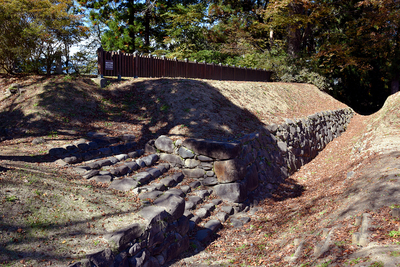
(193, 108)
(376, 184)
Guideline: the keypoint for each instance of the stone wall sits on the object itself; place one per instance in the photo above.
(235, 169)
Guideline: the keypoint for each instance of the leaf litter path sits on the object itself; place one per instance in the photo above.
(341, 183)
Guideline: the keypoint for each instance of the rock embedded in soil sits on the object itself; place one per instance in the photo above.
(120, 170)
(121, 157)
(173, 204)
(57, 152)
(175, 191)
(125, 184)
(154, 214)
(163, 167)
(222, 216)
(228, 209)
(213, 225)
(202, 213)
(121, 238)
(178, 177)
(203, 193)
(165, 144)
(168, 182)
(172, 158)
(90, 174)
(195, 184)
(185, 153)
(150, 195)
(154, 172)
(132, 165)
(142, 177)
(102, 178)
(38, 141)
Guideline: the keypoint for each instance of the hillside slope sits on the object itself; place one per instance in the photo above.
(151, 107)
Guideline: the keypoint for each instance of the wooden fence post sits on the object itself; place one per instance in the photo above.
(205, 70)
(134, 61)
(163, 70)
(100, 60)
(119, 65)
(196, 69)
(186, 68)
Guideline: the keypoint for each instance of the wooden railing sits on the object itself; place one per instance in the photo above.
(135, 65)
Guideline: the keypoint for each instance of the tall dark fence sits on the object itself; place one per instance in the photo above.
(134, 65)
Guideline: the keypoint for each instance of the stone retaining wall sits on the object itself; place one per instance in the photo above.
(235, 169)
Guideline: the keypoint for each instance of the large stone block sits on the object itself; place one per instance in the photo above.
(173, 204)
(57, 152)
(165, 144)
(185, 153)
(176, 248)
(193, 173)
(234, 192)
(154, 214)
(120, 239)
(125, 184)
(251, 177)
(102, 258)
(172, 159)
(229, 170)
(192, 163)
(214, 149)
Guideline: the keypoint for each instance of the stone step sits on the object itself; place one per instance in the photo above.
(171, 200)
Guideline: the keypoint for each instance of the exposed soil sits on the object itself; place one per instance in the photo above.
(49, 216)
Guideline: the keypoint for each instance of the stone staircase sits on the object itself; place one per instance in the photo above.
(191, 212)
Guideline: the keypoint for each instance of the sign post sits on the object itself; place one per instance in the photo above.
(109, 65)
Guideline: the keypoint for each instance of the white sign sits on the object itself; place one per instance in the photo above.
(109, 65)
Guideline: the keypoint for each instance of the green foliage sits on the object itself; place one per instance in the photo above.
(377, 264)
(185, 34)
(394, 234)
(36, 34)
(11, 198)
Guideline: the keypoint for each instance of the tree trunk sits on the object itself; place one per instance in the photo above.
(294, 41)
(131, 21)
(294, 34)
(395, 84)
(147, 17)
(147, 30)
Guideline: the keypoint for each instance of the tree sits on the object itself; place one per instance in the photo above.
(34, 32)
(185, 33)
(239, 26)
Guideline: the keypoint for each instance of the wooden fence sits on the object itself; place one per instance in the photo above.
(134, 65)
